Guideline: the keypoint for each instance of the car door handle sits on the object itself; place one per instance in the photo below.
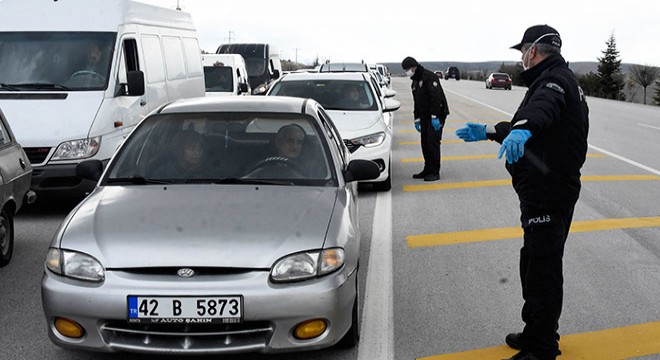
(143, 102)
(22, 162)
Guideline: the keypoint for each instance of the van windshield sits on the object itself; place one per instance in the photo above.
(76, 61)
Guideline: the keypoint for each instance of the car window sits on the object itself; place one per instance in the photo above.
(350, 95)
(177, 148)
(4, 134)
(335, 137)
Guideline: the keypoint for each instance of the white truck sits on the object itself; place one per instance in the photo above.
(225, 74)
(77, 76)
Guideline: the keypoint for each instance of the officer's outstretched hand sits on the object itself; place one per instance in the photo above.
(514, 145)
(436, 123)
(472, 132)
(418, 125)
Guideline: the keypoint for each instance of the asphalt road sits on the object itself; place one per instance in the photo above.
(427, 300)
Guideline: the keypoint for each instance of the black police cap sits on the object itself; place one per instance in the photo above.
(543, 33)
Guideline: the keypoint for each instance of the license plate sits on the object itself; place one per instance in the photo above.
(185, 309)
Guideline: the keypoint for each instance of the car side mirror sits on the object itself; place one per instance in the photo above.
(391, 105)
(242, 88)
(135, 83)
(90, 169)
(276, 74)
(390, 93)
(359, 169)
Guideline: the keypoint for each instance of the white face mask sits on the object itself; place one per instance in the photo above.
(525, 64)
(409, 73)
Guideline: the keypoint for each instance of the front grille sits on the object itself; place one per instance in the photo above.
(37, 155)
(351, 146)
(172, 271)
(187, 338)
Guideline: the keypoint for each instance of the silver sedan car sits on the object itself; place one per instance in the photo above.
(221, 225)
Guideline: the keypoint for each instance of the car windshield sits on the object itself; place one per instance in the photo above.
(218, 79)
(224, 148)
(347, 95)
(56, 60)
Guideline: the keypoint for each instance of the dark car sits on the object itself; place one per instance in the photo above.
(453, 73)
(501, 80)
(440, 74)
(16, 174)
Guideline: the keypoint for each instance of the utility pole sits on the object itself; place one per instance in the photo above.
(229, 38)
(177, 5)
(297, 54)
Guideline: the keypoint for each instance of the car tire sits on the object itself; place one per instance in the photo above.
(6, 237)
(352, 337)
(385, 185)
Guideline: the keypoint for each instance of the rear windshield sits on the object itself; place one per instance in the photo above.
(218, 79)
(501, 76)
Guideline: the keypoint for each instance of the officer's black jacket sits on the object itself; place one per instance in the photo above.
(555, 111)
(428, 95)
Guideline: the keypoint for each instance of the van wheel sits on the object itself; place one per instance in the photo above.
(352, 337)
(6, 237)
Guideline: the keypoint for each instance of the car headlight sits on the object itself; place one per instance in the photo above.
(74, 265)
(77, 149)
(306, 265)
(369, 140)
(260, 90)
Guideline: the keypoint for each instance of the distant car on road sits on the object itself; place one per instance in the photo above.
(500, 80)
(453, 73)
(439, 74)
(16, 175)
(255, 251)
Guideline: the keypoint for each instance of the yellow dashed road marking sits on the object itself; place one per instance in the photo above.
(475, 157)
(610, 344)
(482, 235)
(490, 183)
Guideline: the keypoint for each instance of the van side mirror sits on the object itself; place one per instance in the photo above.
(359, 169)
(276, 74)
(90, 169)
(135, 83)
(242, 88)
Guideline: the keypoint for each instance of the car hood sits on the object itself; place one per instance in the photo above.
(242, 226)
(354, 120)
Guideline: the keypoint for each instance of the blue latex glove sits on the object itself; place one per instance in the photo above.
(436, 123)
(514, 145)
(418, 125)
(472, 132)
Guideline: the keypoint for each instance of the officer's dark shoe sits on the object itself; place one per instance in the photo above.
(432, 177)
(524, 355)
(514, 340)
(420, 175)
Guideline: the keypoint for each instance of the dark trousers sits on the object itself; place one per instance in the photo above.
(430, 140)
(541, 275)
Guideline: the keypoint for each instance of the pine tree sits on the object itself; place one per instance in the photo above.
(609, 72)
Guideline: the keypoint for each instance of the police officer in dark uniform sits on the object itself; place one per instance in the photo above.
(545, 145)
(430, 112)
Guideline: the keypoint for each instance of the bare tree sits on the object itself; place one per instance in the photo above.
(644, 75)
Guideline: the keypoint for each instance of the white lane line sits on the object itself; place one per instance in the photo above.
(377, 331)
(626, 160)
(649, 126)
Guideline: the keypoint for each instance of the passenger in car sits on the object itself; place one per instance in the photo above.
(187, 158)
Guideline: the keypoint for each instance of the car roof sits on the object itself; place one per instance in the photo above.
(325, 76)
(279, 104)
(344, 67)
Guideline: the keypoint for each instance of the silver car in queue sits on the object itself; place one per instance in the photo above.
(255, 251)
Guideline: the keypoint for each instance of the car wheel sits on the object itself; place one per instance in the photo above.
(385, 185)
(6, 237)
(352, 337)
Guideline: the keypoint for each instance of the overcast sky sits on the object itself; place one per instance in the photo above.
(429, 30)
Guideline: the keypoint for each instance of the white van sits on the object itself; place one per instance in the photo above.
(77, 76)
(225, 75)
(263, 63)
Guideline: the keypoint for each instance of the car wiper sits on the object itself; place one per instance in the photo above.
(250, 181)
(40, 86)
(8, 87)
(139, 180)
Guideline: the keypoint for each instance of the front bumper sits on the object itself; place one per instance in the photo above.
(380, 154)
(60, 181)
(270, 312)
